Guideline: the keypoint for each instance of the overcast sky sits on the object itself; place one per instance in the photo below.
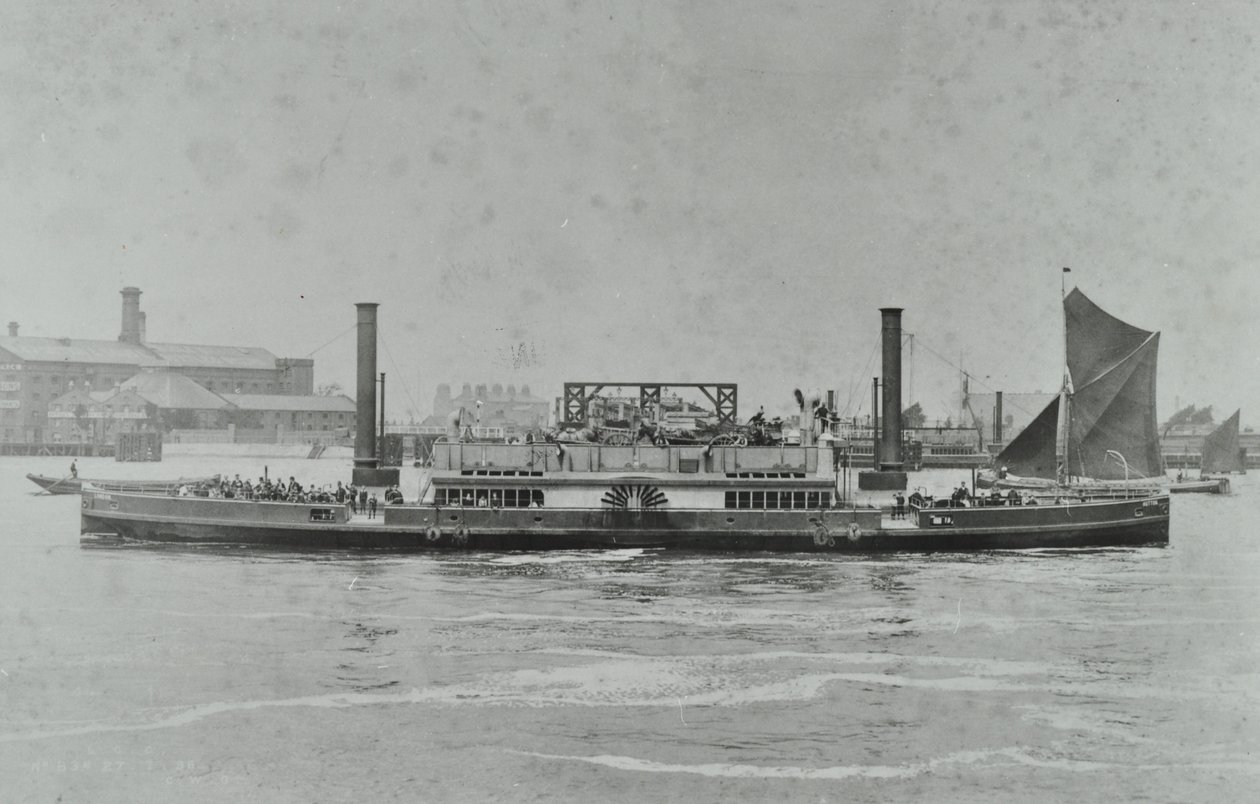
(712, 191)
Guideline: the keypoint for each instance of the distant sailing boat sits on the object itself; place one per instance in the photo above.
(1221, 453)
(1100, 433)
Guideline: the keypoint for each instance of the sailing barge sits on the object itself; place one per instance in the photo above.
(1099, 436)
(1220, 455)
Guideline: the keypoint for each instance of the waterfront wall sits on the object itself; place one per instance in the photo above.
(232, 435)
(223, 450)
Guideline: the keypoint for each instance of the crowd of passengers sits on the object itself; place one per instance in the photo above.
(277, 490)
(962, 498)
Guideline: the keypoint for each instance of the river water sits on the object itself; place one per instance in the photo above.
(144, 673)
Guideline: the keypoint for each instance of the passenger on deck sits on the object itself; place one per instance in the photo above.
(959, 497)
(899, 506)
(759, 418)
(822, 418)
(646, 431)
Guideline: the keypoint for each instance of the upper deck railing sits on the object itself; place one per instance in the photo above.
(549, 457)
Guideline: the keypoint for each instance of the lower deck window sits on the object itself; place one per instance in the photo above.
(775, 500)
(489, 498)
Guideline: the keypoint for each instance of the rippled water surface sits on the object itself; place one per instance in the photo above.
(161, 674)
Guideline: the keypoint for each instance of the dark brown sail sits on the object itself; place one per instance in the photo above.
(1221, 452)
(1111, 408)
(1032, 453)
(1115, 412)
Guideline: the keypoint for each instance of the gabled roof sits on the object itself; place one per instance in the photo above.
(75, 350)
(147, 355)
(183, 355)
(339, 403)
(166, 389)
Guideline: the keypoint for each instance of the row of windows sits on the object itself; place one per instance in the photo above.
(502, 472)
(769, 474)
(307, 416)
(56, 380)
(109, 382)
(227, 387)
(778, 499)
(495, 498)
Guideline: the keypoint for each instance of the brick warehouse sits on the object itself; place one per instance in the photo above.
(34, 371)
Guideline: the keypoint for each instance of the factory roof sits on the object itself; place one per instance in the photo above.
(74, 350)
(148, 355)
(182, 355)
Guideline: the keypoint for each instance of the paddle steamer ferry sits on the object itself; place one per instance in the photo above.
(548, 495)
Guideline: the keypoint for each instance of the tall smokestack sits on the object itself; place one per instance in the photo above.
(890, 459)
(13, 328)
(365, 397)
(130, 315)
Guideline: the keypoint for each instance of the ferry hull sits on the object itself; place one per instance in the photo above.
(415, 528)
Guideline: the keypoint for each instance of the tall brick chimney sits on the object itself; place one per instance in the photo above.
(13, 327)
(130, 316)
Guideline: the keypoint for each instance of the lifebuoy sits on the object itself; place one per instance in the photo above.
(432, 534)
(855, 532)
(460, 536)
(822, 538)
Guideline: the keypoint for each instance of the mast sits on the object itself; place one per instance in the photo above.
(1064, 472)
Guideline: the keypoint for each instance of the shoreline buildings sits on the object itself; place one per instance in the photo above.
(89, 390)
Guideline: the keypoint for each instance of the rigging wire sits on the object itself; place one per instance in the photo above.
(1009, 403)
(401, 379)
(866, 372)
(336, 337)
